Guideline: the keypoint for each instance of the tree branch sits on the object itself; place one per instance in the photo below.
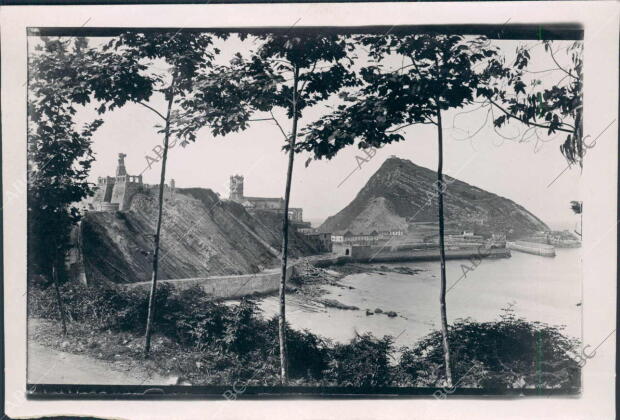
(278, 124)
(410, 124)
(153, 109)
(281, 61)
(568, 125)
(310, 73)
(558, 64)
(469, 137)
(540, 71)
(525, 121)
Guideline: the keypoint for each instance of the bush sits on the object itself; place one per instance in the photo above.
(194, 319)
(364, 362)
(102, 307)
(243, 328)
(235, 343)
(308, 354)
(510, 353)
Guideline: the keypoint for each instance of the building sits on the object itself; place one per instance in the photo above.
(455, 239)
(374, 236)
(322, 240)
(114, 193)
(275, 204)
(337, 237)
(236, 187)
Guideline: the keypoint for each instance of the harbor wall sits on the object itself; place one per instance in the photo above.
(532, 248)
(229, 287)
(377, 255)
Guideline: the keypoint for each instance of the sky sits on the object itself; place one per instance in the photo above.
(473, 153)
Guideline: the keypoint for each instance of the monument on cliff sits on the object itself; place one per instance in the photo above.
(115, 192)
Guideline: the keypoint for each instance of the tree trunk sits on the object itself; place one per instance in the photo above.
(442, 252)
(285, 223)
(151, 311)
(578, 135)
(61, 308)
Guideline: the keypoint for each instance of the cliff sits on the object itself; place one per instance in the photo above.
(402, 195)
(201, 236)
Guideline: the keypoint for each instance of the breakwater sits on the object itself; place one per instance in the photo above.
(229, 287)
(533, 248)
(268, 281)
(377, 255)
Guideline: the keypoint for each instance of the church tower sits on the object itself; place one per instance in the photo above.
(236, 187)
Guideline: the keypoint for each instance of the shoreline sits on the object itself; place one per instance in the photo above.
(387, 255)
(310, 279)
(496, 284)
(322, 269)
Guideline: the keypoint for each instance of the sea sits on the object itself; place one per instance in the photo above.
(544, 289)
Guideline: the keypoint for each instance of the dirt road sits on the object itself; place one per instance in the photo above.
(50, 366)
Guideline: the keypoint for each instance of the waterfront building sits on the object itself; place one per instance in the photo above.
(373, 237)
(274, 204)
(322, 240)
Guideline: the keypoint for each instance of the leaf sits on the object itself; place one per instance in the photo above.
(519, 87)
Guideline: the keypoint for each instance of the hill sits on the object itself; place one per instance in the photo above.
(402, 195)
(201, 236)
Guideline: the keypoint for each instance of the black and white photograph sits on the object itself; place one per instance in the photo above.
(310, 210)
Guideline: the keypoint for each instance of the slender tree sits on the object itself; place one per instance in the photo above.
(123, 70)
(59, 155)
(184, 55)
(289, 71)
(160, 211)
(439, 74)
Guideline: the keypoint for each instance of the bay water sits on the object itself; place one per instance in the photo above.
(537, 288)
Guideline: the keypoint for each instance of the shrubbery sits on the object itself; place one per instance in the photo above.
(234, 342)
(102, 307)
(510, 353)
(364, 362)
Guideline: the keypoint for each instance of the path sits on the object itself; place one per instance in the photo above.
(50, 366)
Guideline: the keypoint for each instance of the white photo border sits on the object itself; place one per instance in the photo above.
(599, 185)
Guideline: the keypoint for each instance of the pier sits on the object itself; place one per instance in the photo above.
(388, 254)
(532, 248)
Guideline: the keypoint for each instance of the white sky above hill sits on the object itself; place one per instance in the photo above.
(519, 171)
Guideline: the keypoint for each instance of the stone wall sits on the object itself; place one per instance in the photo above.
(130, 189)
(108, 206)
(74, 260)
(230, 287)
(124, 191)
(387, 254)
(118, 194)
(104, 190)
(367, 254)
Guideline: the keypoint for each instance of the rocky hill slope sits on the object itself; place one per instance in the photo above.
(201, 236)
(402, 195)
